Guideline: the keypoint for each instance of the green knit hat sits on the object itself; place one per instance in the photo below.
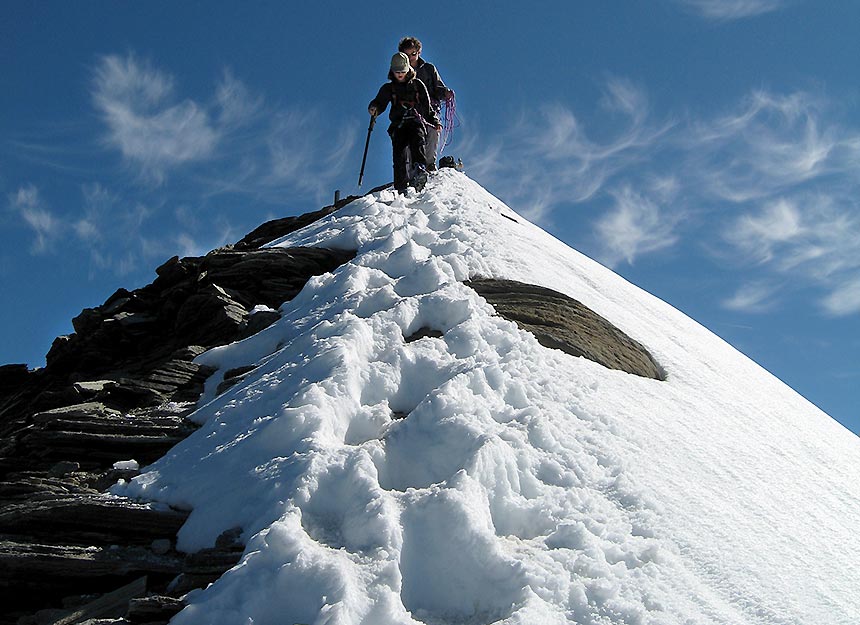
(399, 63)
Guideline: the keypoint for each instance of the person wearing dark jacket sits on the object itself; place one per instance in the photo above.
(438, 92)
(411, 115)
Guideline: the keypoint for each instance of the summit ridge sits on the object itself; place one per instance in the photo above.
(476, 476)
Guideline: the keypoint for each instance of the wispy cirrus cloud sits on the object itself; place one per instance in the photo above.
(236, 105)
(99, 213)
(27, 202)
(811, 240)
(753, 297)
(294, 157)
(634, 226)
(238, 142)
(782, 174)
(769, 187)
(109, 230)
(145, 120)
(207, 165)
(790, 172)
(725, 10)
(845, 299)
(194, 151)
(772, 143)
(762, 235)
(557, 162)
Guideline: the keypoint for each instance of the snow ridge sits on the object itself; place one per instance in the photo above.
(479, 477)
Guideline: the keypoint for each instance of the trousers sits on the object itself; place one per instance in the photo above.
(408, 142)
(431, 147)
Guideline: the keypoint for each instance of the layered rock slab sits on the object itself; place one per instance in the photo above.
(561, 322)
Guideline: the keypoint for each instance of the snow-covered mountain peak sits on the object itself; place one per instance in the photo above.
(400, 453)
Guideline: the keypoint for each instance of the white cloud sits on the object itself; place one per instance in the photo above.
(99, 216)
(771, 144)
(844, 299)
(120, 262)
(248, 147)
(561, 136)
(226, 141)
(557, 163)
(342, 149)
(145, 122)
(758, 235)
(758, 297)
(623, 96)
(110, 230)
(236, 105)
(87, 230)
(28, 203)
(783, 175)
(732, 9)
(812, 240)
(665, 187)
(26, 197)
(188, 246)
(289, 144)
(101, 224)
(635, 226)
(302, 154)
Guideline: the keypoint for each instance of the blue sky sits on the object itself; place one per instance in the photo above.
(707, 150)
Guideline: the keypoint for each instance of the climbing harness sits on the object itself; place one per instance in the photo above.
(409, 102)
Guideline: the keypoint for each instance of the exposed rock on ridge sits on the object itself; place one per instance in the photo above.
(561, 322)
(119, 388)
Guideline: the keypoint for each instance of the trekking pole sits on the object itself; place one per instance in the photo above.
(366, 144)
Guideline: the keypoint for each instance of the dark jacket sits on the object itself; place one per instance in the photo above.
(435, 87)
(410, 94)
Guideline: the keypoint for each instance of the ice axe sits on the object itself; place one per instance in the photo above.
(366, 144)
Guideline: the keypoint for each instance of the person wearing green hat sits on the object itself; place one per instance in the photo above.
(411, 114)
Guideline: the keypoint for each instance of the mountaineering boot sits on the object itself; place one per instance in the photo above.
(419, 178)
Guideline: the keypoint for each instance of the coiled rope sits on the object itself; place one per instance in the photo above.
(449, 121)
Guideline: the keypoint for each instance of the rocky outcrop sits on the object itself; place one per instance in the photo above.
(194, 302)
(276, 228)
(114, 395)
(561, 322)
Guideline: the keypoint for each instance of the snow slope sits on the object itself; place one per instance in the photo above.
(525, 485)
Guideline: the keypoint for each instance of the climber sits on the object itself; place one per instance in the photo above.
(411, 115)
(427, 73)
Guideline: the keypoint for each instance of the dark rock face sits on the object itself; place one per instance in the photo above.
(561, 322)
(121, 387)
(12, 376)
(194, 301)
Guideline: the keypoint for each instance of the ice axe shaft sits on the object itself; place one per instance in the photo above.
(366, 145)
